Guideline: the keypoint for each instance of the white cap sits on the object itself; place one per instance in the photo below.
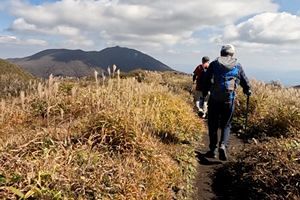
(228, 48)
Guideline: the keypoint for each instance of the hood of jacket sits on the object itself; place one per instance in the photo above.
(227, 62)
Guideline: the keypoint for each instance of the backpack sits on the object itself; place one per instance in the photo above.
(225, 83)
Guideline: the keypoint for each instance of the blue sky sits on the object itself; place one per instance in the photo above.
(292, 6)
(266, 33)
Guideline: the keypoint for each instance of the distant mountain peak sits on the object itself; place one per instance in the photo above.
(80, 63)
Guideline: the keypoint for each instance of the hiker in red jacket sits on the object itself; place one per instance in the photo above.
(200, 99)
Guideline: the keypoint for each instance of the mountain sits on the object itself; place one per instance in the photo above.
(80, 63)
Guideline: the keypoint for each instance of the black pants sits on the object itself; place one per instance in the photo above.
(219, 114)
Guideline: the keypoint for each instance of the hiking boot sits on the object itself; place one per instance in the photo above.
(222, 153)
(210, 154)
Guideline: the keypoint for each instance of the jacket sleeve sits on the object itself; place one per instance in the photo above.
(207, 79)
(244, 82)
(194, 77)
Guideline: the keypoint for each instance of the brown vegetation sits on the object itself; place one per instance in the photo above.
(269, 168)
(103, 139)
(12, 79)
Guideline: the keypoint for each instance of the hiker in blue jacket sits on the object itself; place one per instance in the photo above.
(222, 78)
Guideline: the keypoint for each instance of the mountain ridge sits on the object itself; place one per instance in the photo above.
(78, 63)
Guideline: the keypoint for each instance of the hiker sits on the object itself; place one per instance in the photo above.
(221, 79)
(198, 78)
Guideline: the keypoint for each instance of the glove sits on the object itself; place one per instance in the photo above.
(248, 92)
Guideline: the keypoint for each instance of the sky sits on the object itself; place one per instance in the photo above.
(266, 33)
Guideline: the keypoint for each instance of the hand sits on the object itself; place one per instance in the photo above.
(193, 88)
(248, 93)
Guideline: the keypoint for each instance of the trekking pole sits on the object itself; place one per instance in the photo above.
(247, 112)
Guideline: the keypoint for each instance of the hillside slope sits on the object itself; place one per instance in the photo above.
(12, 79)
(12, 71)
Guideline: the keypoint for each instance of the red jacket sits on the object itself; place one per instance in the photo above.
(198, 77)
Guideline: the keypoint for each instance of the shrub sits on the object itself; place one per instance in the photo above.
(269, 169)
(266, 171)
(274, 112)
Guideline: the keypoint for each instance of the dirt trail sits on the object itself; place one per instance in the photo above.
(206, 185)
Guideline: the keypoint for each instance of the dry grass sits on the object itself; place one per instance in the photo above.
(269, 168)
(103, 139)
(13, 79)
(268, 171)
(274, 111)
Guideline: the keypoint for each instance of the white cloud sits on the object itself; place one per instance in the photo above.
(76, 41)
(266, 29)
(155, 23)
(177, 32)
(21, 25)
(8, 39)
(33, 42)
(73, 36)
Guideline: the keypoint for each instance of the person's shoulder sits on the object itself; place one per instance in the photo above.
(239, 65)
(196, 69)
(197, 66)
(215, 61)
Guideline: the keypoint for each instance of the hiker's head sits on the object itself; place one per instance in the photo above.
(227, 50)
(205, 62)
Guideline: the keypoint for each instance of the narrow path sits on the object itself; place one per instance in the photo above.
(205, 184)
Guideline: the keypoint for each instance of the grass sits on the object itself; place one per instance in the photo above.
(269, 168)
(13, 79)
(104, 139)
(133, 137)
(273, 112)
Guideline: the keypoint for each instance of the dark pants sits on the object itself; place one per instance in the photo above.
(219, 114)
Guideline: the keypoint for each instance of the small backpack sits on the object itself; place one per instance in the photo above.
(225, 83)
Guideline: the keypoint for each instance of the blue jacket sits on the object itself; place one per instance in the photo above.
(223, 76)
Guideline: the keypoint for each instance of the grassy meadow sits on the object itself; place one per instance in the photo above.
(106, 138)
(133, 136)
